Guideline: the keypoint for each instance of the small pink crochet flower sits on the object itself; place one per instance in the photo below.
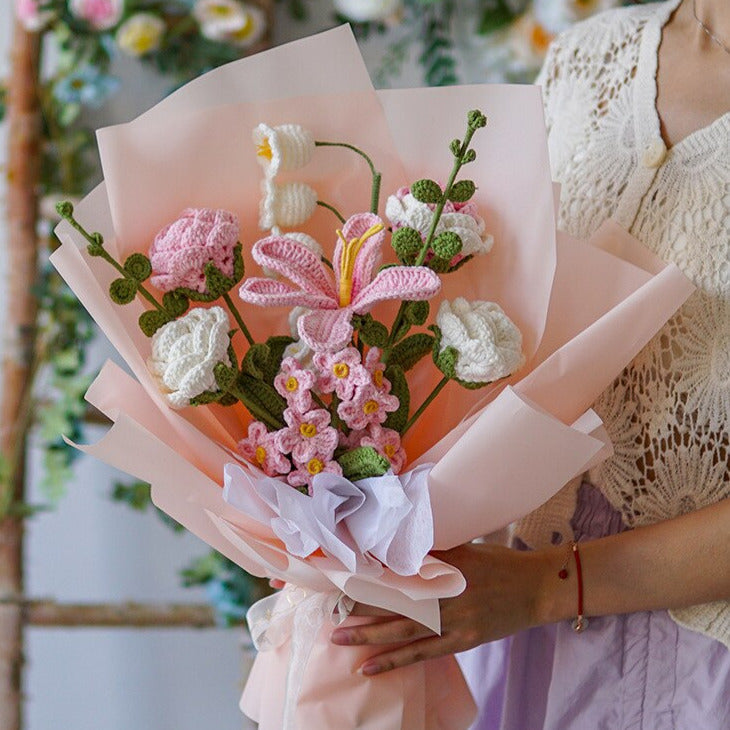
(387, 443)
(295, 384)
(306, 471)
(352, 440)
(376, 368)
(260, 447)
(307, 435)
(368, 405)
(356, 288)
(341, 372)
(181, 250)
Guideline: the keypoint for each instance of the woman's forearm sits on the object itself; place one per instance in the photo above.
(672, 564)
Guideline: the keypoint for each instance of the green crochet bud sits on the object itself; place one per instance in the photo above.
(96, 246)
(138, 267)
(447, 245)
(426, 191)
(123, 291)
(65, 209)
(476, 119)
(406, 243)
(470, 156)
(455, 147)
(462, 191)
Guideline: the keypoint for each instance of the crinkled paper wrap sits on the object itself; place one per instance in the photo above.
(585, 309)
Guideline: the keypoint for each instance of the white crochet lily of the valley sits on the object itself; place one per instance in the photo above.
(185, 352)
(367, 11)
(488, 342)
(283, 148)
(288, 205)
(407, 211)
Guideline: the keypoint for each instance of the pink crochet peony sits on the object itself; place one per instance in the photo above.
(181, 250)
(260, 448)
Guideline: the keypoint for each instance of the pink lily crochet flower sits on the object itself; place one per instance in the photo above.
(368, 405)
(376, 368)
(386, 442)
(295, 384)
(307, 435)
(306, 471)
(181, 250)
(260, 447)
(341, 372)
(356, 287)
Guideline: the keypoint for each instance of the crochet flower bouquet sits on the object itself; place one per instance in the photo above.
(371, 376)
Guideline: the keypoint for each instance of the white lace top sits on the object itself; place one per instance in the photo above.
(668, 414)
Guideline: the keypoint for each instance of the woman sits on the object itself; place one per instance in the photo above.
(638, 109)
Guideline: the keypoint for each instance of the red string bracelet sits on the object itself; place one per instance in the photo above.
(580, 623)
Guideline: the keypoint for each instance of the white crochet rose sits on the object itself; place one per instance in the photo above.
(283, 148)
(488, 342)
(184, 353)
(286, 205)
(407, 211)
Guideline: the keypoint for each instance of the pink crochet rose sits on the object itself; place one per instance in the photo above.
(99, 14)
(295, 384)
(306, 471)
(307, 435)
(30, 16)
(386, 442)
(368, 405)
(341, 372)
(181, 250)
(260, 448)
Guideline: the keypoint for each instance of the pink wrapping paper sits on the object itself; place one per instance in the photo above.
(523, 439)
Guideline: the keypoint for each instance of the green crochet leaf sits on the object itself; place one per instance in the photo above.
(426, 191)
(276, 344)
(225, 376)
(445, 361)
(255, 361)
(216, 282)
(206, 397)
(151, 321)
(460, 263)
(416, 313)
(257, 395)
(398, 387)
(138, 267)
(408, 352)
(123, 291)
(472, 386)
(447, 245)
(462, 191)
(176, 303)
(406, 243)
(362, 463)
(439, 265)
(372, 332)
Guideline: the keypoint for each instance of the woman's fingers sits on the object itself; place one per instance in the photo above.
(394, 631)
(417, 651)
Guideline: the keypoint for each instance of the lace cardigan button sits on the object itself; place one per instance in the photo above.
(654, 153)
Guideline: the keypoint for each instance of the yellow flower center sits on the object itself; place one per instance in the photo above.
(347, 260)
(292, 384)
(308, 430)
(261, 454)
(341, 370)
(389, 450)
(378, 378)
(77, 84)
(220, 10)
(540, 38)
(314, 466)
(263, 149)
(370, 406)
(245, 30)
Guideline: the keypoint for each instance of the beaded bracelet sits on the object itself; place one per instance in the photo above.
(580, 622)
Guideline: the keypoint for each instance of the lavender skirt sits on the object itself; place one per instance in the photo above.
(637, 671)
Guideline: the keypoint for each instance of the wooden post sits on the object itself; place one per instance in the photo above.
(19, 321)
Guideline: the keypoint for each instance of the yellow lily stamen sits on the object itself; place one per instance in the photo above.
(347, 260)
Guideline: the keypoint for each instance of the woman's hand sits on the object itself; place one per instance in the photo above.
(502, 596)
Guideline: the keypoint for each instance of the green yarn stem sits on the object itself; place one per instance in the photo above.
(339, 215)
(375, 190)
(458, 163)
(111, 260)
(396, 326)
(319, 401)
(260, 414)
(439, 387)
(237, 316)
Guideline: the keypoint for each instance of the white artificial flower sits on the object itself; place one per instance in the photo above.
(557, 15)
(218, 17)
(299, 349)
(286, 205)
(308, 242)
(364, 11)
(283, 148)
(140, 34)
(185, 352)
(407, 211)
(246, 35)
(488, 342)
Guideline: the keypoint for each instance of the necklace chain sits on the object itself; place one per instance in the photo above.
(707, 31)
